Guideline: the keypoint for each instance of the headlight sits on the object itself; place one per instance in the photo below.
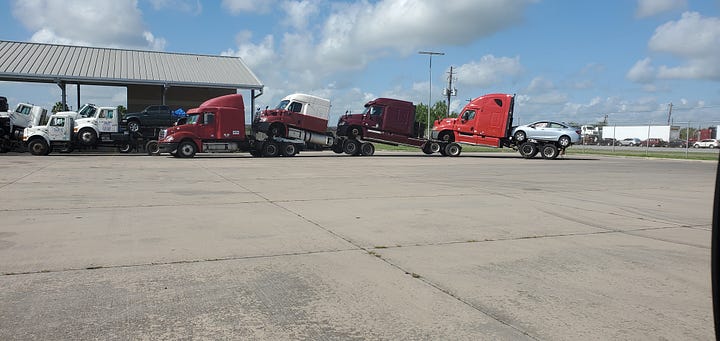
(169, 138)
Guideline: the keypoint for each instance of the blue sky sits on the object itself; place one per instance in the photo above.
(565, 59)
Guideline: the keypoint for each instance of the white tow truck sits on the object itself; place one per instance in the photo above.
(12, 123)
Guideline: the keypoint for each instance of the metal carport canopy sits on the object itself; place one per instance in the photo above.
(64, 64)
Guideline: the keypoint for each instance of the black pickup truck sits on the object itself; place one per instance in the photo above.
(152, 116)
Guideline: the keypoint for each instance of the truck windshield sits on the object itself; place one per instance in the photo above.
(87, 110)
(375, 111)
(283, 104)
(192, 119)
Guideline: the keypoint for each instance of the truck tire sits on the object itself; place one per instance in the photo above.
(133, 126)
(38, 147)
(255, 153)
(288, 149)
(152, 147)
(528, 150)
(87, 137)
(367, 149)
(125, 148)
(351, 147)
(337, 148)
(453, 149)
(446, 136)
(186, 149)
(549, 151)
(270, 149)
(426, 148)
(354, 132)
(276, 129)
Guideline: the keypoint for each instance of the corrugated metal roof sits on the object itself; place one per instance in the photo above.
(34, 62)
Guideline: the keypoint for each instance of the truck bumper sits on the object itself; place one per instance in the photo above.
(168, 147)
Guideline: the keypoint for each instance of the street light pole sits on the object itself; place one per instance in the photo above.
(431, 54)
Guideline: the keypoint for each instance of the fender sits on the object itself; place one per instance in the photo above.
(184, 135)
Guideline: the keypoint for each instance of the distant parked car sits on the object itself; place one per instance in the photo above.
(563, 133)
(630, 141)
(607, 142)
(152, 116)
(707, 143)
(653, 142)
(677, 144)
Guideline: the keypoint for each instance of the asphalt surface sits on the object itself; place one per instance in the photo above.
(399, 246)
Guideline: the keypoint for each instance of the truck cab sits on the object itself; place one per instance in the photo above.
(12, 123)
(391, 116)
(486, 121)
(299, 111)
(94, 123)
(218, 125)
(41, 139)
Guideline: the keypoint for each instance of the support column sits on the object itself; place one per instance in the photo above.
(78, 98)
(164, 92)
(63, 95)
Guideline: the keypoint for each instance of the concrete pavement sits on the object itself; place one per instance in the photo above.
(400, 246)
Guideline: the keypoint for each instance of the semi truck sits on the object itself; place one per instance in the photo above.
(13, 123)
(485, 121)
(91, 126)
(299, 122)
(298, 117)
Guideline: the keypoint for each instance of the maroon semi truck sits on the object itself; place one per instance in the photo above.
(384, 120)
(218, 126)
(485, 121)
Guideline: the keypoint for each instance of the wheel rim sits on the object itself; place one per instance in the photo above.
(37, 148)
(351, 148)
(549, 152)
(86, 136)
(526, 149)
(434, 147)
(290, 150)
(133, 126)
(187, 149)
(271, 149)
(564, 141)
(445, 137)
(520, 136)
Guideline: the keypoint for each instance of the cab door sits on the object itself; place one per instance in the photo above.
(107, 121)
(206, 126)
(59, 129)
(466, 127)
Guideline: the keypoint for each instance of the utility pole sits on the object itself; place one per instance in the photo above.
(430, 54)
(669, 112)
(449, 91)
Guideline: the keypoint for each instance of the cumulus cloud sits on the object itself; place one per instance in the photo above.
(648, 8)
(488, 70)
(642, 71)
(298, 12)
(693, 39)
(105, 23)
(361, 28)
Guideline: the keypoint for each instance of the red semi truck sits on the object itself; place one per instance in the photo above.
(485, 121)
(218, 126)
(297, 117)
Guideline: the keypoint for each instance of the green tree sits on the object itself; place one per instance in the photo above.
(121, 110)
(684, 133)
(437, 111)
(59, 107)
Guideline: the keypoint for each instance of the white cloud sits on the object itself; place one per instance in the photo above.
(642, 71)
(251, 6)
(694, 39)
(488, 71)
(299, 12)
(105, 23)
(648, 8)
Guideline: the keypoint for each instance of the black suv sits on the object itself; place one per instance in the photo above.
(152, 116)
